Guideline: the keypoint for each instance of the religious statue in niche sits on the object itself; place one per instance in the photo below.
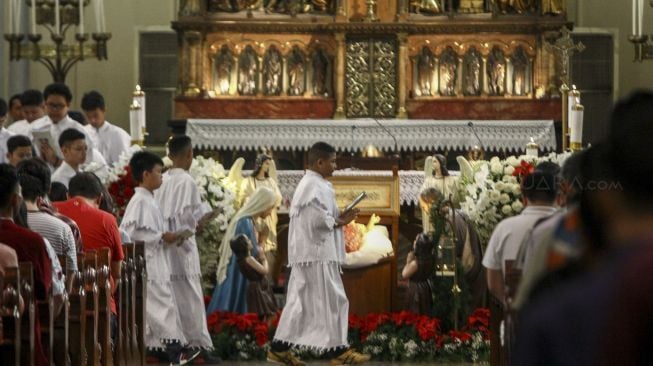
(230, 6)
(272, 72)
(426, 7)
(320, 69)
(471, 6)
(425, 72)
(296, 72)
(516, 6)
(189, 8)
(448, 72)
(519, 71)
(472, 72)
(553, 7)
(247, 72)
(223, 63)
(496, 72)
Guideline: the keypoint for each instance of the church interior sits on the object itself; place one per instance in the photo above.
(439, 112)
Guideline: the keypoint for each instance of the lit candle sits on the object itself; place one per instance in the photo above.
(532, 148)
(134, 125)
(640, 21)
(96, 11)
(81, 17)
(139, 97)
(635, 17)
(576, 127)
(10, 16)
(57, 22)
(33, 11)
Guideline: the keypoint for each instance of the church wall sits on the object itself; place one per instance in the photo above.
(617, 15)
(116, 77)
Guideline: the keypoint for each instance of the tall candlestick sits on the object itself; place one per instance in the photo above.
(10, 17)
(33, 16)
(80, 28)
(19, 16)
(57, 21)
(134, 125)
(103, 26)
(640, 21)
(634, 17)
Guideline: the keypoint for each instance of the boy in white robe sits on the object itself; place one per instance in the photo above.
(317, 310)
(143, 221)
(183, 209)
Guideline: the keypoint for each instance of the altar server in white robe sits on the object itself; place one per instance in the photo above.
(316, 311)
(183, 209)
(110, 140)
(143, 221)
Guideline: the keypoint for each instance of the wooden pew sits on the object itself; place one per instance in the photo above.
(29, 315)
(46, 321)
(92, 307)
(10, 340)
(61, 350)
(130, 340)
(511, 280)
(118, 347)
(141, 297)
(77, 315)
(104, 312)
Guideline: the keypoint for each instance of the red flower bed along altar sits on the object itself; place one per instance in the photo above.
(400, 336)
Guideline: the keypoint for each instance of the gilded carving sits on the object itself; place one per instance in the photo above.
(357, 70)
(472, 73)
(448, 72)
(553, 7)
(272, 72)
(384, 78)
(223, 63)
(296, 72)
(496, 72)
(248, 72)
(520, 70)
(425, 72)
(320, 70)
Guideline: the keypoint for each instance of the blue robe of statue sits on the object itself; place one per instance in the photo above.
(231, 295)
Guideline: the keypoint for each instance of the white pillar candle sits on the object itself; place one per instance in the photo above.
(139, 97)
(57, 21)
(96, 12)
(80, 27)
(532, 148)
(10, 16)
(634, 17)
(576, 125)
(33, 13)
(640, 21)
(134, 125)
(103, 25)
(18, 9)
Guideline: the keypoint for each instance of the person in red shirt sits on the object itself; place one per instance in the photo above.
(99, 229)
(29, 246)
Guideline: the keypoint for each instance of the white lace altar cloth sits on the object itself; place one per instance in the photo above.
(410, 182)
(356, 134)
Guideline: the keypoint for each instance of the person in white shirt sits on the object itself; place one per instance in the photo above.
(539, 190)
(19, 148)
(4, 133)
(57, 102)
(15, 110)
(33, 110)
(183, 209)
(316, 312)
(110, 140)
(73, 146)
(143, 221)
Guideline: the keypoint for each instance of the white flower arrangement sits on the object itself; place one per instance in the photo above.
(492, 192)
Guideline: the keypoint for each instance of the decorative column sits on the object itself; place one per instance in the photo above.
(340, 76)
(341, 10)
(191, 64)
(403, 64)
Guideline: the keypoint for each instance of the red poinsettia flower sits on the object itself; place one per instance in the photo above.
(460, 335)
(524, 169)
(261, 333)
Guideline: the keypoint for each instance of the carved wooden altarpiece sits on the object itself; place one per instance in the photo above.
(426, 59)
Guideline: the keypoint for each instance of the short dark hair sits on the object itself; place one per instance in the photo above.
(320, 150)
(630, 133)
(93, 100)
(16, 141)
(540, 186)
(85, 184)
(77, 116)
(58, 192)
(70, 135)
(178, 145)
(141, 162)
(8, 184)
(31, 97)
(58, 89)
(3, 107)
(34, 176)
(14, 97)
(549, 167)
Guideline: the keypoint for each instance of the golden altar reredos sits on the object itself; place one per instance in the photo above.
(429, 59)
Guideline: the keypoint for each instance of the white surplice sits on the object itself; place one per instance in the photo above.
(143, 221)
(317, 310)
(4, 136)
(110, 140)
(182, 208)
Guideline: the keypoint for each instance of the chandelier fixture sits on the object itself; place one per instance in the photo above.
(57, 17)
(643, 48)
